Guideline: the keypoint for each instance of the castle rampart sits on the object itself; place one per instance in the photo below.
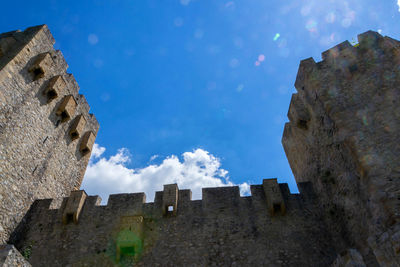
(223, 229)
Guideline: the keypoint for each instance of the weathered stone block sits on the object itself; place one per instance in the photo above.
(170, 199)
(10, 257)
(55, 87)
(74, 206)
(335, 51)
(87, 142)
(42, 63)
(369, 39)
(67, 108)
(273, 194)
(77, 127)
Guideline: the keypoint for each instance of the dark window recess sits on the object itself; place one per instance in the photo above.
(51, 94)
(58, 123)
(37, 73)
(85, 150)
(277, 208)
(302, 124)
(75, 135)
(353, 68)
(64, 116)
(70, 218)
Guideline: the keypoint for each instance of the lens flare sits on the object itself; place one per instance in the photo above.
(311, 25)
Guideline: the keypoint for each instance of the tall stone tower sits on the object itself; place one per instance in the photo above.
(46, 132)
(343, 137)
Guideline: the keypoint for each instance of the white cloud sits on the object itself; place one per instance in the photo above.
(154, 157)
(97, 151)
(198, 169)
(398, 3)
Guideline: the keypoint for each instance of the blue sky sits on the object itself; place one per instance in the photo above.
(190, 91)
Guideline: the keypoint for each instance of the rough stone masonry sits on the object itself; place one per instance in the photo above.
(342, 143)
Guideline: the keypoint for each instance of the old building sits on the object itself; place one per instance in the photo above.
(341, 143)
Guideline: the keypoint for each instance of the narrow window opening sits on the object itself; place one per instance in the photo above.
(302, 124)
(277, 208)
(44, 141)
(51, 94)
(38, 73)
(58, 123)
(70, 218)
(74, 135)
(353, 68)
(64, 116)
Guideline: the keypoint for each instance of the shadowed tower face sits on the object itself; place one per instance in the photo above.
(343, 137)
(46, 132)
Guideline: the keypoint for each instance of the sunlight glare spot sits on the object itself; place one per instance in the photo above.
(276, 36)
(185, 2)
(311, 25)
(305, 10)
(234, 63)
(330, 17)
(238, 42)
(257, 63)
(178, 22)
(93, 39)
(346, 22)
(261, 58)
(198, 34)
(240, 87)
(230, 4)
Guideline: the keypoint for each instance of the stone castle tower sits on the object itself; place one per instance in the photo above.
(341, 143)
(46, 132)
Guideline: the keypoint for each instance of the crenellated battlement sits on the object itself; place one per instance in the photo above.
(128, 222)
(270, 196)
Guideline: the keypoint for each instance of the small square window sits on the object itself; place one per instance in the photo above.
(170, 208)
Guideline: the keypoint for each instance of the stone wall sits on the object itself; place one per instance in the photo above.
(45, 138)
(10, 257)
(341, 143)
(343, 137)
(222, 229)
